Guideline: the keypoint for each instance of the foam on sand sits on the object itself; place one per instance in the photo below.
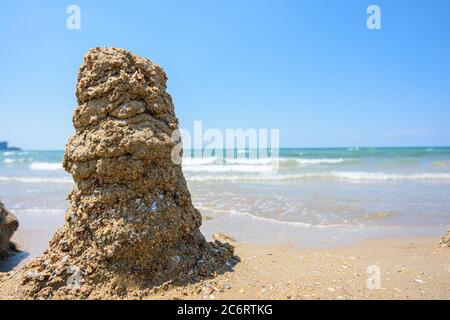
(288, 223)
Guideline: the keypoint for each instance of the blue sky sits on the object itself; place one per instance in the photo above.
(309, 68)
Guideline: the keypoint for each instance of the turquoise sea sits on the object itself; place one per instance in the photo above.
(302, 196)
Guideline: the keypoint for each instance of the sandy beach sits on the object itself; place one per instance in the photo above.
(220, 151)
(132, 217)
(292, 263)
(410, 268)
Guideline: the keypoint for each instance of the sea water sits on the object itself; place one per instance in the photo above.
(299, 196)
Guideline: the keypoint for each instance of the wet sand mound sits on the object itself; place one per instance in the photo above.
(131, 224)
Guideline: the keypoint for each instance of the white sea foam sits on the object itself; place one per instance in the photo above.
(266, 219)
(8, 153)
(288, 223)
(322, 161)
(245, 161)
(334, 175)
(261, 161)
(17, 160)
(219, 161)
(14, 153)
(46, 166)
(43, 211)
(389, 176)
(229, 168)
(36, 180)
(198, 161)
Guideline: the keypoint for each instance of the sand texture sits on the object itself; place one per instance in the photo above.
(415, 268)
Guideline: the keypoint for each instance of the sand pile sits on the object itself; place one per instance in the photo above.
(8, 225)
(131, 224)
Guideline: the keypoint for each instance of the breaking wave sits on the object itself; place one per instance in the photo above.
(36, 179)
(46, 166)
(322, 161)
(188, 163)
(229, 168)
(255, 162)
(199, 161)
(336, 175)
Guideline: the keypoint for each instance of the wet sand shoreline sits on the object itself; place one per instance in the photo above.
(319, 264)
(409, 268)
(36, 231)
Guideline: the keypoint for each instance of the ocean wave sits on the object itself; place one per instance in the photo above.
(333, 175)
(261, 161)
(229, 168)
(380, 176)
(17, 160)
(244, 161)
(322, 161)
(36, 180)
(226, 161)
(14, 153)
(39, 211)
(199, 161)
(46, 166)
(8, 153)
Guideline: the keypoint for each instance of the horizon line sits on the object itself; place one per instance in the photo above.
(328, 147)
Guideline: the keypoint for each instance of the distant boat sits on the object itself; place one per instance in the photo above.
(4, 146)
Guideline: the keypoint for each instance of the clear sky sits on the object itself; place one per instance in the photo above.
(310, 68)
